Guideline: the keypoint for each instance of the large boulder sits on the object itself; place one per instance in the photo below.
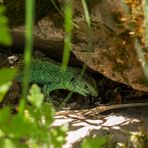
(113, 48)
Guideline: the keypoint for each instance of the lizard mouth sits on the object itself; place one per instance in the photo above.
(95, 94)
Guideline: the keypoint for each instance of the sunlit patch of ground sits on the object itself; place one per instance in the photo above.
(118, 123)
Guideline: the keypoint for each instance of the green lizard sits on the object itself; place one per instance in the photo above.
(48, 73)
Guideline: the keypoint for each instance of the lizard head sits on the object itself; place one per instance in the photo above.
(83, 85)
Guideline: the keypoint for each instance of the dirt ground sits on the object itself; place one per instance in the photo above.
(122, 125)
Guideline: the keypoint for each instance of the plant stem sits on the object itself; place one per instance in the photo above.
(29, 14)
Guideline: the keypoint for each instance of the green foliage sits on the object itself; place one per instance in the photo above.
(35, 93)
(140, 138)
(29, 21)
(4, 89)
(97, 142)
(5, 37)
(68, 14)
(5, 115)
(7, 143)
(6, 75)
(29, 14)
(33, 128)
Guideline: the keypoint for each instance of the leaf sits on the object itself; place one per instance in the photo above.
(7, 74)
(97, 142)
(21, 127)
(3, 90)
(3, 20)
(58, 135)
(2, 9)
(48, 112)
(7, 143)
(11, 143)
(44, 114)
(35, 97)
(4, 116)
(5, 37)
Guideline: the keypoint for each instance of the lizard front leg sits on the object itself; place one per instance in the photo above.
(47, 89)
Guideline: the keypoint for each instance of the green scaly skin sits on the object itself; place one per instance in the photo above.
(48, 73)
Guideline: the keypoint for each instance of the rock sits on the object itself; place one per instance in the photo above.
(113, 51)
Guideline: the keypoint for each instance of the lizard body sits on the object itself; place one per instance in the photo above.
(48, 73)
